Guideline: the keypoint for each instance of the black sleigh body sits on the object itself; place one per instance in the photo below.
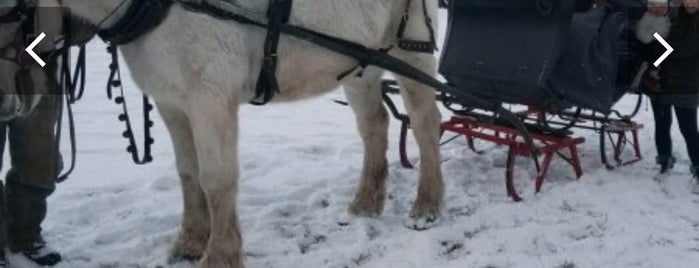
(552, 54)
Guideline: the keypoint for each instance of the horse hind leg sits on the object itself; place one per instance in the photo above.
(194, 233)
(364, 96)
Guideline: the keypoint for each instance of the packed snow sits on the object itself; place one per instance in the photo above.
(300, 163)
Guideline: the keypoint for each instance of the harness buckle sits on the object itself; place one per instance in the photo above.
(270, 60)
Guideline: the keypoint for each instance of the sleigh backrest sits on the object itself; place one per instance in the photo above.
(505, 40)
(543, 53)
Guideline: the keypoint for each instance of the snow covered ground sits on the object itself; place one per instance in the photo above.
(300, 163)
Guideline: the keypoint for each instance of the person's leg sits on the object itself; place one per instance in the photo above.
(3, 211)
(663, 141)
(3, 227)
(35, 165)
(687, 120)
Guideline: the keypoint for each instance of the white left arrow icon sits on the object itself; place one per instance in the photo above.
(668, 48)
(30, 49)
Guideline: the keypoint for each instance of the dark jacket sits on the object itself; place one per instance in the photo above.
(679, 73)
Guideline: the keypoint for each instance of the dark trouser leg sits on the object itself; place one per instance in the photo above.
(687, 120)
(3, 219)
(3, 211)
(34, 168)
(663, 122)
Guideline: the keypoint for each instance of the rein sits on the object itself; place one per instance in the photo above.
(72, 88)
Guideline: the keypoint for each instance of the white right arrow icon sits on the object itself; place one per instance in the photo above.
(667, 46)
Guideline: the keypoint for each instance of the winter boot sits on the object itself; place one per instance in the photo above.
(42, 255)
(695, 180)
(3, 260)
(26, 205)
(666, 164)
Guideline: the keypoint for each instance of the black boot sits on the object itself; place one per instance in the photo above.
(695, 180)
(666, 163)
(27, 209)
(3, 260)
(42, 255)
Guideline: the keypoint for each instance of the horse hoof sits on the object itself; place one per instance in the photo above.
(422, 223)
(345, 219)
(187, 248)
(371, 209)
(183, 258)
(209, 262)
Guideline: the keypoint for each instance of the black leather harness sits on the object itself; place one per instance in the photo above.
(142, 17)
(278, 13)
(148, 14)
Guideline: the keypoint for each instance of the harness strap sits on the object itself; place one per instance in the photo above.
(204, 7)
(75, 92)
(141, 17)
(396, 66)
(278, 13)
(415, 45)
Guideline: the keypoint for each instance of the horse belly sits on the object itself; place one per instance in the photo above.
(306, 71)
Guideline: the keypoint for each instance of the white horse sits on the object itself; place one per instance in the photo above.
(199, 70)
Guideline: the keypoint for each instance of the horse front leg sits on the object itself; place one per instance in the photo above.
(364, 96)
(214, 123)
(424, 120)
(194, 233)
